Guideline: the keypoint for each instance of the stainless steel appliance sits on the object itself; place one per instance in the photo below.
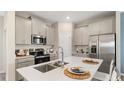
(103, 47)
(38, 39)
(39, 55)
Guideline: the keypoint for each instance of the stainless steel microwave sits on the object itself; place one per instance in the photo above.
(38, 39)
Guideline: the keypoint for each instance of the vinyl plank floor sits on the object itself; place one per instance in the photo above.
(122, 78)
(95, 79)
(2, 76)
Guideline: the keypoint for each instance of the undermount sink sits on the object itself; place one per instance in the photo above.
(48, 67)
(45, 68)
(59, 63)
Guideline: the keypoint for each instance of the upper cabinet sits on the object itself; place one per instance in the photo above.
(77, 36)
(50, 35)
(104, 26)
(81, 36)
(94, 28)
(25, 27)
(23, 30)
(107, 26)
(38, 26)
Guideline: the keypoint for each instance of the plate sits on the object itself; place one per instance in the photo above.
(77, 70)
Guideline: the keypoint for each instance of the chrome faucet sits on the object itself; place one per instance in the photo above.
(62, 62)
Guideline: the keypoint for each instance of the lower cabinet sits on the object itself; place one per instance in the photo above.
(23, 63)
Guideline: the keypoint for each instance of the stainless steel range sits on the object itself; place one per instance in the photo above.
(40, 57)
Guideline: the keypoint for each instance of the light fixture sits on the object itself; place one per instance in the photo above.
(67, 17)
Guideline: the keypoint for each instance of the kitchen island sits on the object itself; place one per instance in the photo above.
(31, 74)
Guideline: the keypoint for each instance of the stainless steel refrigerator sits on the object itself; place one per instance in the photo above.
(103, 47)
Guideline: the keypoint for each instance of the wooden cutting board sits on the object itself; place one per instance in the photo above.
(91, 62)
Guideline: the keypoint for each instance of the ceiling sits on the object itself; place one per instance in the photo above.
(75, 16)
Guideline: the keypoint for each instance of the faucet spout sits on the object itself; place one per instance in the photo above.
(62, 55)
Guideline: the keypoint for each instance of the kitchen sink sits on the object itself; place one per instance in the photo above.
(45, 68)
(59, 64)
(48, 67)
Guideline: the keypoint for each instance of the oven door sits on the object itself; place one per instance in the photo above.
(41, 59)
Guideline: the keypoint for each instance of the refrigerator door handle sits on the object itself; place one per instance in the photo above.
(98, 48)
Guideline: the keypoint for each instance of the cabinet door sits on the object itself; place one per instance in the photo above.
(94, 28)
(35, 26)
(76, 39)
(106, 26)
(27, 32)
(85, 36)
(38, 27)
(81, 36)
(50, 35)
(23, 31)
(78, 36)
(42, 28)
(20, 27)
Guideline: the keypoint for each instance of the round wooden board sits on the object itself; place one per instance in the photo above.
(90, 62)
(75, 76)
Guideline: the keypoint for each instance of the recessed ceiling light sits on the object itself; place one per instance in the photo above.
(67, 17)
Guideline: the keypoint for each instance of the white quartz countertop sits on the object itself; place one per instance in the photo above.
(31, 74)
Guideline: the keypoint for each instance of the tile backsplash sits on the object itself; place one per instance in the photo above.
(32, 46)
(79, 48)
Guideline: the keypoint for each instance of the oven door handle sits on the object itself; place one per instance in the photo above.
(40, 57)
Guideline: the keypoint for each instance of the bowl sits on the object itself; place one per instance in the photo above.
(77, 70)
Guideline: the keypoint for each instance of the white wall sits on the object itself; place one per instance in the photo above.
(118, 50)
(1, 44)
(9, 29)
(65, 37)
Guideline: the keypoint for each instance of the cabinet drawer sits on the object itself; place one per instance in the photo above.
(25, 64)
(24, 60)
